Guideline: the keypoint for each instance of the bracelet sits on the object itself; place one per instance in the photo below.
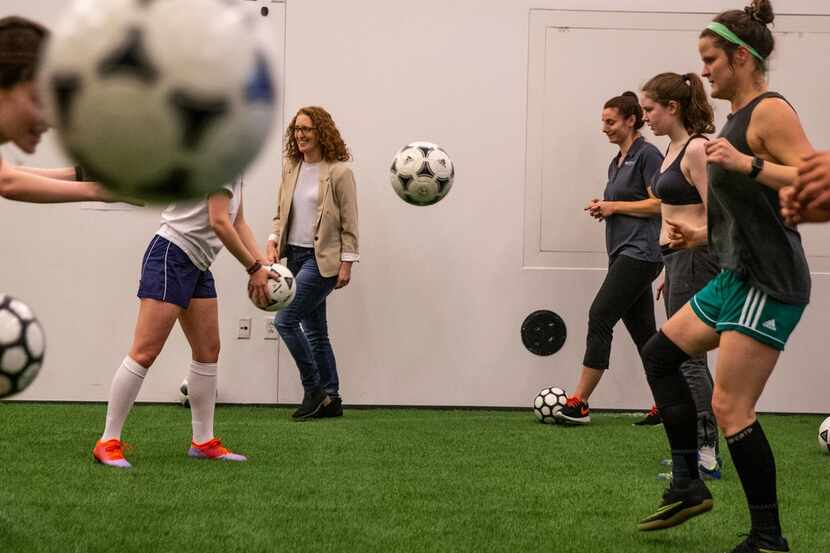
(80, 174)
(254, 268)
(273, 238)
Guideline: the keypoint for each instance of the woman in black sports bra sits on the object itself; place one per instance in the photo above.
(676, 106)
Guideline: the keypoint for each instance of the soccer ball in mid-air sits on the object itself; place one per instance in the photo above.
(280, 292)
(548, 403)
(824, 435)
(422, 173)
(162, 99)
(22, 345)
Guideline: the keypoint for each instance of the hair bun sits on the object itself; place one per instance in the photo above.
(761, 11)
(632, 94)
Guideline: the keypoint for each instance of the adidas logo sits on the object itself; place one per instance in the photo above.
(770, 324)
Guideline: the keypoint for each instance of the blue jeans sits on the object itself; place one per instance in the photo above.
(303, 326)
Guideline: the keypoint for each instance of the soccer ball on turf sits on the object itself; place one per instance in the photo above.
(184, 399)
(547, 403)
(422, 173)
(281, 292)
(22, 346)
(824, 435)
(159, 100)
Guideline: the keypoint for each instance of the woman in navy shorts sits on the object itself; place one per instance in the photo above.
(176, 284)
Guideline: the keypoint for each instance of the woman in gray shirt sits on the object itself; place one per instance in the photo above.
(632, 230)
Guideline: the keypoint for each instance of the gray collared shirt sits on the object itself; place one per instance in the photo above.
(636, 237)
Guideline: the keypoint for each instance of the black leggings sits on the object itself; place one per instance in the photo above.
(625, 294)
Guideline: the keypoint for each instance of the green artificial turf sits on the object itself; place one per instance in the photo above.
(406, 481)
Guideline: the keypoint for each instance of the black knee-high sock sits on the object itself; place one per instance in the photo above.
(662, 360)
(755, 464)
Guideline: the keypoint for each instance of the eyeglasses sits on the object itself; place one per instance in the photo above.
(304, 130)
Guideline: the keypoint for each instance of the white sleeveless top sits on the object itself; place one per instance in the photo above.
(187, 224)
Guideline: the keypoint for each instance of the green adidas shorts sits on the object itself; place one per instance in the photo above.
(730, 303)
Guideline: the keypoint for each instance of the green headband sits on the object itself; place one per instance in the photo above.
(723, 31)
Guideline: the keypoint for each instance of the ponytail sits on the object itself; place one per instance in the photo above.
(687, 91)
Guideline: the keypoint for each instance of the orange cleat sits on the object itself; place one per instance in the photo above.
(110, 453)
(214, 450)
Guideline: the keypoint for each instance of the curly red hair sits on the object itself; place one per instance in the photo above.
(331, 143)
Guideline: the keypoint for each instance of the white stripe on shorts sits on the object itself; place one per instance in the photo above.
(747, 303)
(164, 296)
(759, 311)
(147, 258)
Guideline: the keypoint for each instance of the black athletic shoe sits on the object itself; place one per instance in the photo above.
(756, 545)
(575, 411)
(333, 409)
(311, 405)
(678, 506)
(652, 418)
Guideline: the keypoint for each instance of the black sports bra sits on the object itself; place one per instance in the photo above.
(671, 186)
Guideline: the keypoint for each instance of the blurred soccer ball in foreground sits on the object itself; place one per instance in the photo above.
(162, 99)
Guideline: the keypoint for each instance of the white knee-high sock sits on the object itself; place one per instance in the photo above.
(201, 390)
(125, 386)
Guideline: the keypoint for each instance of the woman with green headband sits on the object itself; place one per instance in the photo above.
(753, 305)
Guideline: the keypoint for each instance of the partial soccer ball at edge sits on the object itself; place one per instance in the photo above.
(22, 346)
(422, 173)
(160, 100)
(824, 435)
(184, 400)
(548, 402)
(184, 397)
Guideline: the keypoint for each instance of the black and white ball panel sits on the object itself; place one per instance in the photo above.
(422, 173)
(22, 346)
(547, 403)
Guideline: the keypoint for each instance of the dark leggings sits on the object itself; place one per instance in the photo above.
(625, 294)
(687, 272)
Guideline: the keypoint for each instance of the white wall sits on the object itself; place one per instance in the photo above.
(432, 316)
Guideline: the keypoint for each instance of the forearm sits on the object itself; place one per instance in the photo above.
(29, 187)
(775, 176)
(63, 173)
(349, 250)
(347, 202)
(249, 241)
(230, 238)
(641, 208)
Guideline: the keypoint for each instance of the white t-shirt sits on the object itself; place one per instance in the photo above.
(187, 224)
(304, 206)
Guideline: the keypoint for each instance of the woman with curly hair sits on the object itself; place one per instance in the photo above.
(315, 228)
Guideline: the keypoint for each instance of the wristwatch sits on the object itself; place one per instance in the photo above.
(757, 167)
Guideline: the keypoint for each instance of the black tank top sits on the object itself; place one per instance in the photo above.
(746, 230)
(671, 185)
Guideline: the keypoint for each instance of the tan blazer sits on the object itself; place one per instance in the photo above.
(335, 233)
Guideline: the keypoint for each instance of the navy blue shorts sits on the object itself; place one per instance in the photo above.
(168, 275)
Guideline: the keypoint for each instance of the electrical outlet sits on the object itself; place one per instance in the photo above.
(270, 329)
(243, 332)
